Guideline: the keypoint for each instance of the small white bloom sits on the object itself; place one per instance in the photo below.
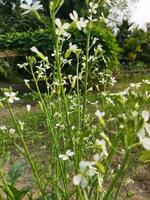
(11, 96)
(86, 170)
(26, 81)
(82, 23)
(73, 127)
(102, 18)
(135, 85)
(61, 28)
(146, 81)
(3, 128)
(145, 115)
(12, 131)
(74, 16)
(135, 113)
(80, 180)
(93, 7)
(101, 144)
(28, 106)
(73, 47)
(66, 156)
(29, 7)
(146, 143)
(112, 81)
(144, 132)
(99, 114)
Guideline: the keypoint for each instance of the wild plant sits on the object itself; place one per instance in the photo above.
(90, 142)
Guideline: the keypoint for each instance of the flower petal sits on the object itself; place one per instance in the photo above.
(77, 179)
(141, 133)
(146, 143)
(145, 115)
(58, 23)
(84, 182)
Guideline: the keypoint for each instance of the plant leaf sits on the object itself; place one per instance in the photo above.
(16, 171)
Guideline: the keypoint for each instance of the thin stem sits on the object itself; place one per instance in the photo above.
(118, 175)
(112, 151)
(9, 192)
(36, 175)
(78, 94)
(119, 187)
(86, 76)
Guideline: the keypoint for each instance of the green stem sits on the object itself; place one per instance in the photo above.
(9, 192)
(119, 187)
(78, 94)
(55, 147)
(112, 151)
(118, 175)
(86, 76)
(39, 183)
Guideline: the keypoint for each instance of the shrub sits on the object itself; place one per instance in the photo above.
(42, 39)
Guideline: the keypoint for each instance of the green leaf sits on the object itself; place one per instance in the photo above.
(16, 171)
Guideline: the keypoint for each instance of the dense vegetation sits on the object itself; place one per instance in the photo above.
(129, 48)
(79, 137)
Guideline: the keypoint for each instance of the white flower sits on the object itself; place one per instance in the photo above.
(112, 81)
(82, 23)
(74, 16)
(28, 106)
(99, 47)
(12, 131)
(11, 96)
(61, 28)
(66, 156)
(99, 114)
(102, 18)
(80, 180)
(145, 115)
(109, 101)
(93, 7)
(135, 113)
(3, 128)
(26, 81)
(135, 85)
(144, 132)
(73, 127)
(73, 47)
(146, 143)
(146, 81)
(86, 170)
(101, 144)
(30, 7)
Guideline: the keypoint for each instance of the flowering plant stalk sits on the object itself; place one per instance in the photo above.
(82, 146)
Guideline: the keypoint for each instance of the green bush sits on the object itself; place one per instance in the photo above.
(43, 40)
(6, 71)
